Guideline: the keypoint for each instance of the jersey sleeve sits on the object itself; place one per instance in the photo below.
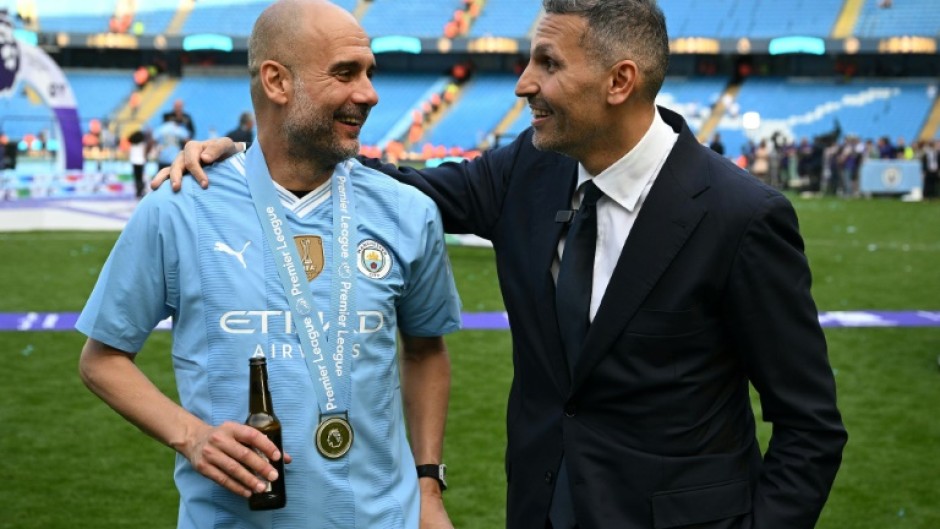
(430, 305)
(136, 287)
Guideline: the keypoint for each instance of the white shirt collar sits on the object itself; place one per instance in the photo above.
(624, 181)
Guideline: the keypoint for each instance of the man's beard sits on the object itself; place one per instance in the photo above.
(311, 136)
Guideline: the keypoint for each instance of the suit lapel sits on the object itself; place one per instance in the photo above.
(669, 216)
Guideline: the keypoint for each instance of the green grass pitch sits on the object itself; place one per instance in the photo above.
(68, 461)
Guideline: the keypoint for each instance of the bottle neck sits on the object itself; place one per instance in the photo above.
(259, 396)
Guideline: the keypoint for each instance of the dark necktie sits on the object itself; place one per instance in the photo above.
(576, 275)
(572, 308)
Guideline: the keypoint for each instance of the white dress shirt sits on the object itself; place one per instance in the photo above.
(625, 185)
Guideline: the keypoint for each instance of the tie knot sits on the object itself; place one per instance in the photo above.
(592, 194)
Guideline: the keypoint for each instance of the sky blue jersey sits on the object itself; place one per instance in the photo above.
(201, 257)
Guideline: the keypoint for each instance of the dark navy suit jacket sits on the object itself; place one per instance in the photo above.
(712, 291)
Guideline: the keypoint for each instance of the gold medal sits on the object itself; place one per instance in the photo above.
(334, 437)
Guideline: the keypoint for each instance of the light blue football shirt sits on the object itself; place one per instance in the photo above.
(201, 258)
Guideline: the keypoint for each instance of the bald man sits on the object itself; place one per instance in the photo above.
(307, 258)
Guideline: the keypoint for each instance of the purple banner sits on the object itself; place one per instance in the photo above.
(489, 321)
(71, 137)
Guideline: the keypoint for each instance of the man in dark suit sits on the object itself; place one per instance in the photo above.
(630, 409)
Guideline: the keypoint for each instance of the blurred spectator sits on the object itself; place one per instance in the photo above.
(169, 138)
(930, 161)
(716, 144)
(885, 149)
(8, 152)
(137, 155)
(245, 129)
(760, 167)
(180, 117)
(903, 151)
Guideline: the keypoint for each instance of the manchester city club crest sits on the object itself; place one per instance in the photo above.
(373, 259)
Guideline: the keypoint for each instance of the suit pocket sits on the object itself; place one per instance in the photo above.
(677, 508)
(666, 323)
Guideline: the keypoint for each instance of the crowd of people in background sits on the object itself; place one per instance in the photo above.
(830, 164)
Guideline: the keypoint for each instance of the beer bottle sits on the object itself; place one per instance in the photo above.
(261, 417)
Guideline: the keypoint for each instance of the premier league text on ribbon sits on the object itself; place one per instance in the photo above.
(308, 326)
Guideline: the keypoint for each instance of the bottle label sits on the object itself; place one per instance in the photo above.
(269, 487)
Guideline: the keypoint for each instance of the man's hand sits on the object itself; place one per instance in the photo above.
(227, 455)
(194, 155)
(433, 514)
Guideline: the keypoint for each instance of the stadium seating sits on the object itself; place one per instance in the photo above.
(808, 107)
(232, 17)
(691, 97)
(77, 17)
(755, 18)
(506, 18)
(98, 93)
(484, 101)
(907, 17)
(398, 93)
(417, 18)
(226, 18)
(21, 115)
(213, 101)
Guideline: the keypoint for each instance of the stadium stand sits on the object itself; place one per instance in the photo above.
(902, 18)
(77, 17)
(99, 93)
(24, 113)
(808, 107)
(213, 101)
(234, 18)
(416, 18)
(756, 18)
(872, 107)
(485, 99)
(399, 93)
(506, 18)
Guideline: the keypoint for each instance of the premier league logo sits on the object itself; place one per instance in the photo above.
(9, 54)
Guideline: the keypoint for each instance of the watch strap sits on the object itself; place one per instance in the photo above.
(438, 472)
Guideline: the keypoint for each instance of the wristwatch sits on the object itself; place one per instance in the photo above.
(437, 472)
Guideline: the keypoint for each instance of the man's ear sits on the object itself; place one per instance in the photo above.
(277, 81)
(624, 80)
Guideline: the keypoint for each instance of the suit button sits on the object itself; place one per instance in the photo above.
(570, 410)
(548, 477)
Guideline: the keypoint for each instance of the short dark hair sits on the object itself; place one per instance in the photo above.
(623, 29)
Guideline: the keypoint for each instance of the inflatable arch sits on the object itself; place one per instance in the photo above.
(24, 63)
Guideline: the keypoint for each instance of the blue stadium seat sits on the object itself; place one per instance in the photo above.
(398, 93)
(904, 17)
(416, 18)
(214, 102)
(506, 18)
(99, 93)
(868, 108)
(484, 101)
(20, 116)
(234, 19)
(755, 18)
(77, 17)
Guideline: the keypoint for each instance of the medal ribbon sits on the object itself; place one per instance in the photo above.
(331, 374)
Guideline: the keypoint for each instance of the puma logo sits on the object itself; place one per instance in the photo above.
(224, 248)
